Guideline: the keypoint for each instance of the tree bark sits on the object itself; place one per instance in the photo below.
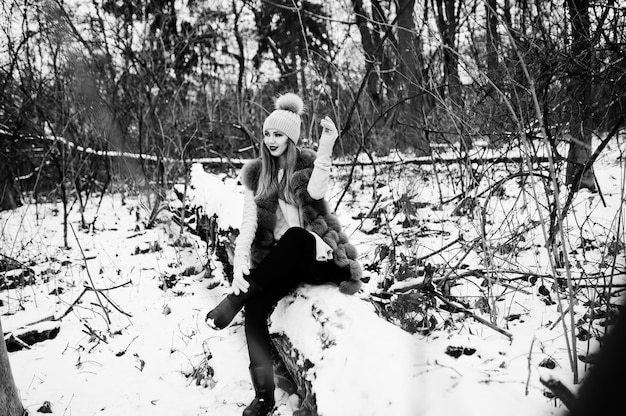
(410, 53)
(369, 50)
(297, 365)
(448, 25)
(10, 402)
(580, 94)
(379, 33)
(240, 57)
(492, 39)
(411, 80)
(9, 197)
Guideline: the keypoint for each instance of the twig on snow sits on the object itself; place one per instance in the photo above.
(473, 315)
(530, 355)
(85, 290)
(106, 313)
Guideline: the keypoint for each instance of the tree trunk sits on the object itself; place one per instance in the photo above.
(448, 23)
(240, 57)
(580, 93)
(409, 53)
(492, 39)
(9, 197)
(379, 33)
(10, 402)
(411, 80)
(369, 50)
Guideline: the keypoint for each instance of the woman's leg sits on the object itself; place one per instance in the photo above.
(289, 263)
(258, 339)
(223, 314)
(258, 308)
(259, 342)
(279, 272)
(327, 272)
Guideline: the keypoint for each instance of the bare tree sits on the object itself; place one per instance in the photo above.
(580, 92)
(10, 402)
(410, 54)
(293, 36)
(492, 39)
(240, 56)
(370, 49)
(448, 24)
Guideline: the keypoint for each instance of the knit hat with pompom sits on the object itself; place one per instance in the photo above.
(286, 116)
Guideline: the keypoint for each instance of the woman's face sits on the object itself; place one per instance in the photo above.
(275, 141)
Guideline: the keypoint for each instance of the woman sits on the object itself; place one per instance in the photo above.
(288, 236)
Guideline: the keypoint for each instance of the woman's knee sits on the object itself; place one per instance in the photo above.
(297, 234)
(258, 307)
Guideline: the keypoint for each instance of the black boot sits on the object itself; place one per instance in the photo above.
(224, 313)
(263, 382)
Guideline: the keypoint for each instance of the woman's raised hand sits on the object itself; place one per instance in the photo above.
(327, 138)
(329, 130)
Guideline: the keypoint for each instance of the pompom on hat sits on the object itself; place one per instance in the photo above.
(286, 116)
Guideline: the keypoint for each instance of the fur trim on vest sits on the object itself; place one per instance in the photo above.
(316, 214)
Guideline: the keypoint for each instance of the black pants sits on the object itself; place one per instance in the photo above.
(290, 263)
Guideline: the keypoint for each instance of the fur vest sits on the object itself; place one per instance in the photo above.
(316, 216)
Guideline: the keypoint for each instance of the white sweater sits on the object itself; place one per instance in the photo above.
(287, 215)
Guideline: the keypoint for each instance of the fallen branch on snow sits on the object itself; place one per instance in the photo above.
(25, 337)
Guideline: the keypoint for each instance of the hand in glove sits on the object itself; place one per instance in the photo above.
(327, 138)
(240, 284)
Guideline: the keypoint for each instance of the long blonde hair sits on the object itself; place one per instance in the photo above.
(268, 179)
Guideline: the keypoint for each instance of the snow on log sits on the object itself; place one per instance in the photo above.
(25, 337)
(347, 360)
(213, 211)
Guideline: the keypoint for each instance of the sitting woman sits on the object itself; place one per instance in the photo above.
(288, 236)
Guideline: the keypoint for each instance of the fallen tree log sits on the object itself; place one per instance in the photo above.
(25, 337)
(345, 359)
(10, 402)
(314, 328)
(343, 356)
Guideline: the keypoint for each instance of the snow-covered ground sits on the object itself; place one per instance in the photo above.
(139, 344)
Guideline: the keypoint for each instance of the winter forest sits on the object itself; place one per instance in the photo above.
(479, 171)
